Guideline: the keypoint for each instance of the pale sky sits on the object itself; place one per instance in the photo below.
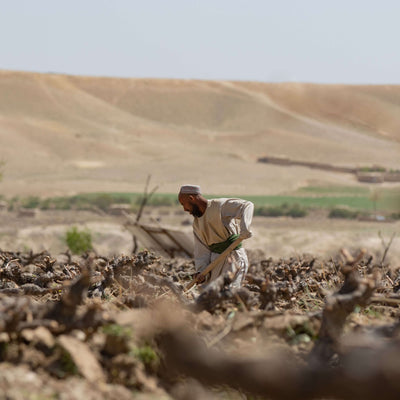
(324, 41)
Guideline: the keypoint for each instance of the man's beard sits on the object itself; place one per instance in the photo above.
(196, 211)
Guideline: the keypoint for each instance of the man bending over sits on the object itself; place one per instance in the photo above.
(218, 223)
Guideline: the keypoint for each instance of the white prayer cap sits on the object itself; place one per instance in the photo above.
(190, 189)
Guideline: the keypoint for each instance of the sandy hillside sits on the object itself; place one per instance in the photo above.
(64, 134)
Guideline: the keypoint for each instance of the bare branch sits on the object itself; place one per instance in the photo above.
(146, 197)
(386, 246)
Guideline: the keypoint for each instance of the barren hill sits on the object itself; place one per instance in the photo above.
(63, 134)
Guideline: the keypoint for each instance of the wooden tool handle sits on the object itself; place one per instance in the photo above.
(212, 265)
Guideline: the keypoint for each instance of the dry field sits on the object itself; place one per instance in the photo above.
(124, 328)
(273, 237)
(318, 314)
(64, 134)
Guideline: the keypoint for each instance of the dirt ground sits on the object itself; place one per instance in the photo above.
(124, 327)
(128, 330)
(62, 135)
(317, 316)
(274, 237)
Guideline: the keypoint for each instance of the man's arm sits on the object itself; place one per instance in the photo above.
(202, 255)
(242, 210)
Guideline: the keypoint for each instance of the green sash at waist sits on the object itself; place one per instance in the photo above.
(220, 247)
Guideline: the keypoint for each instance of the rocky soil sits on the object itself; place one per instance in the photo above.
(124, 327)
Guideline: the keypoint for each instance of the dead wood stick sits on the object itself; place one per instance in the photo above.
(146, 197)
(350, 260)
(241, 302)
(221, 335)
(355, 291)
(387, 247)
(50, 324)
(214, 263)
(391, 300)
(361, 375)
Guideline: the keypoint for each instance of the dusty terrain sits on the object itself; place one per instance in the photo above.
(64, 134)
(273, 237)
(311, 320)
(125, 328)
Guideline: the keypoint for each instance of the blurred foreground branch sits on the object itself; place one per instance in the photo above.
(366, 372)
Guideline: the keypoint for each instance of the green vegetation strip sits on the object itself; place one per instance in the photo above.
(334, 190)
(358, 203)
(90, 200)
(355, 198)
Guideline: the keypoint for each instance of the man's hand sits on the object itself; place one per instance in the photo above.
(199, 277)
(246, 234)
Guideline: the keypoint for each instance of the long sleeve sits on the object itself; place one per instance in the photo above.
(238, 209)
(224, 217)
(202, 255)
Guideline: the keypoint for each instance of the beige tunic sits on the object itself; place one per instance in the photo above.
(222, 218)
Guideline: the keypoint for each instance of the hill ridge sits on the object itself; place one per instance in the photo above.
(69, 133)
